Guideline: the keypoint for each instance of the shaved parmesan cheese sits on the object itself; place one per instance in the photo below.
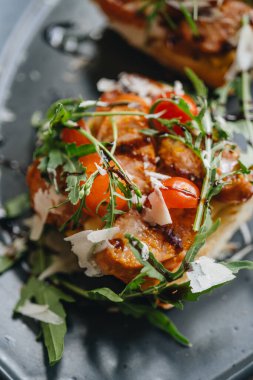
(155, 179)
(206, 273)
(92, 103)
(133, 83)
(178, 88)
(105, 85)
(100, 169)
(140, 85)
(244, 53)
(145, 252)
(206, 158)
(159, 213)
(135, 200)
(86, 243)
(99, 236)
(43, 202)
(71, 123)
(40, 312)
(156, 175)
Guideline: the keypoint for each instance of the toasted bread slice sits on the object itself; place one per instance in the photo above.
(210, 54)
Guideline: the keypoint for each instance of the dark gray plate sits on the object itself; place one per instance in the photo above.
(99, 345)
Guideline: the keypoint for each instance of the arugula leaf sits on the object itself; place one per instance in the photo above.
(136, 247)
(74, 187)
(103, 294)
(15, 207)
(243, 168)
(189, 20)
(61, 115)
(156, 317)
(207, 229)
(198, 84)
(149, 132)
(14, 253)
(39, 261)
(135, 284)
(176, 294)
(45, 294)
(236, 266)
(55, 159)
(78, 151)
(7, 262)
(100, 294)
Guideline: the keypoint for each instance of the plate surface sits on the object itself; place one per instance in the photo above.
(103, 346)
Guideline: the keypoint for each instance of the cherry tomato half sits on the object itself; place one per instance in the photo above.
(180, 193)
(100, 188)
(73, 136)
(89, 162)
(172, 111)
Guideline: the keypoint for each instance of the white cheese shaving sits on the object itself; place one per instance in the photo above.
(140, 85)
(40, 312)
(178, 88)
(135, 200)
(158, 213)
(156, 178)
(100, 169)
(87, 243)
(92, 103)
(104, 85)
(71, 123)
(133, 83)
(43, 202)
(205, 158)
(244, 53)
(145, 252)
(206, 273)
(156, 175)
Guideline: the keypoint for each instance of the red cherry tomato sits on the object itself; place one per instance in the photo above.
(172, 111)
(100, 189)
(89, 162)
(73, 136)
(180, 193)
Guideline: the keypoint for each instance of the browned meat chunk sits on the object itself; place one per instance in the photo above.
(120, 261)
(217, 28)
(177, 159)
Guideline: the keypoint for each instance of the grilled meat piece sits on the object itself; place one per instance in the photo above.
(217, 27)
(135, 151)
(120, 262)
(177, 159)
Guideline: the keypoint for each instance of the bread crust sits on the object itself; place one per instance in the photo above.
(212, 68)
(232, 216)
(210, 56)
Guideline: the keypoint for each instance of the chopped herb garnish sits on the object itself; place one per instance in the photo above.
(61, 167)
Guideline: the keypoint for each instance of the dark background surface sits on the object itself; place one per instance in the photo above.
(99, 345)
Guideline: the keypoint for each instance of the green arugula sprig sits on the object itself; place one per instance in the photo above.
(45, 294)
(134, 299)
(57, 154)
(153, 10)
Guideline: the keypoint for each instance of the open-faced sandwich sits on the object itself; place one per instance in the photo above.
(145, 185)
(168, 30)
